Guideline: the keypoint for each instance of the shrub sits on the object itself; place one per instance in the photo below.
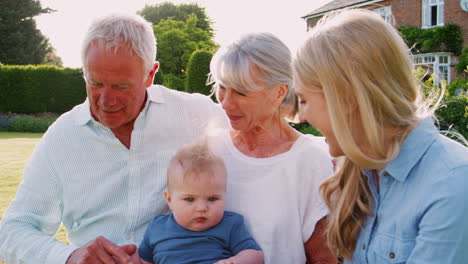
(426, 81)
(446, 38)
(198, 69)
(29, 123)
(305, 128)
(457, 84)
(462, 64)
(453, 114)
(173, 81)
(35, 89)
(158, 78)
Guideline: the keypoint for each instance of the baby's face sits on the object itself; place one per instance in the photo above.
(197, 203)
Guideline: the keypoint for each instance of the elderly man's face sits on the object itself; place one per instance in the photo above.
(116, 85)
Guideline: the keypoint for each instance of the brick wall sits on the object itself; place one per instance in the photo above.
(454, 14)
(409, 12)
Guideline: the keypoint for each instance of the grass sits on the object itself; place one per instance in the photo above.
(16, 149)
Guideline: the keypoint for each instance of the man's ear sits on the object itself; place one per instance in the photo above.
(151, 74)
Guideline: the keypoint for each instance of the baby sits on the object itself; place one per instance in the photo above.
(198, 230)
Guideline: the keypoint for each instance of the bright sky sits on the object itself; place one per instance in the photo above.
(67, 27)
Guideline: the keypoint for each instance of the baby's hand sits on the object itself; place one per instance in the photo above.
(231, 260)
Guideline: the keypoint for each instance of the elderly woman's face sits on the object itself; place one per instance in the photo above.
(313, 110)
(249, 110)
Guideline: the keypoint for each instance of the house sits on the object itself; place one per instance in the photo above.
(419, 13)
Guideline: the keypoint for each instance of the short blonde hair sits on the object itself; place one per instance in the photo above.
(194, 160)
(359, 60)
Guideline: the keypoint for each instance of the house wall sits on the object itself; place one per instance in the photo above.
(409, 12)
(454, 14)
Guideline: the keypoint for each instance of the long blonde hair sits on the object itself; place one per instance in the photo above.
(359, 61)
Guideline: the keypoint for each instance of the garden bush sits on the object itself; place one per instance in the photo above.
(453, 114)
(305, 128)
(460, 83)
(198, 69)
(462, 64)
(173, 81)
(35, 89)
(446, 38)
(31, 123)
(158, 78)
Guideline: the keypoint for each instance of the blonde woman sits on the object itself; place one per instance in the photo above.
(274, 172)
(399, 192)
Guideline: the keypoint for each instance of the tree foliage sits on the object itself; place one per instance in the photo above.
(21, 42)
(177, 40)
(197, 72)
(156, 13)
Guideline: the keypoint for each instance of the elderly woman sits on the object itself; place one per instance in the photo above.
(399, 192)
(274, 172)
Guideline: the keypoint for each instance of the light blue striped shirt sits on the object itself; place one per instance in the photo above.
(81, 175)
(421, 210)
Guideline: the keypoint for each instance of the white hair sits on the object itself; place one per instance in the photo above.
(117, 30)
(232, 66)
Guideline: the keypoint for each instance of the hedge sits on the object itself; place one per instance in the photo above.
(43, 88)
(198, 69)
(34, 124)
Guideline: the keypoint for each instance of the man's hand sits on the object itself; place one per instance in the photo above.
(102, 251)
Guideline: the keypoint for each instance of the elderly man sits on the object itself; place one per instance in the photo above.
(100, 168)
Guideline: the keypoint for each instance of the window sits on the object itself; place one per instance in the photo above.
(439, 64)
(432, 13)
(385, 12)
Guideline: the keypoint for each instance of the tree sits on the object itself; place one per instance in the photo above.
(51, 58)
(21, 42)
(198, 69)
(156, 13)
(177, 40)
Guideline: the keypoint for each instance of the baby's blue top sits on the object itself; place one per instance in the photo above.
(166, 242)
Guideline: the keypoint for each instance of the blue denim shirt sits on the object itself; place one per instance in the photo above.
(421, 210)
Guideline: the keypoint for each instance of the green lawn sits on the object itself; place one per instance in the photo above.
(15, 150)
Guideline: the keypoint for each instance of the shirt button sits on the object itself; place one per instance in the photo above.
(386, 174)
(392, 255)
(363, 247)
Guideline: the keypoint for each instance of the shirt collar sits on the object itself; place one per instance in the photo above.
(154, 95)
(412, 150)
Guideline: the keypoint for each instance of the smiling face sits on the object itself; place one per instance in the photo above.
(197, 201)
(313, 110)
(247, 110)
(116, 85)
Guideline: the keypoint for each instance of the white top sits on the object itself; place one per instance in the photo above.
(80, 174)
(278, 196)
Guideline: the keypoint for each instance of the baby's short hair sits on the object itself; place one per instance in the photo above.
(192, 160)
